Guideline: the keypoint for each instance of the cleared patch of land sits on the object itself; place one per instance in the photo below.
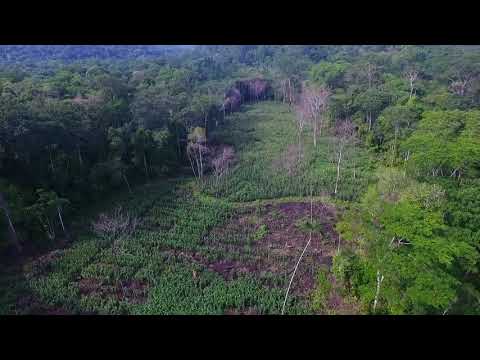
(205, 248)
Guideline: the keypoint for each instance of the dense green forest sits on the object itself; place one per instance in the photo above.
(240, 179)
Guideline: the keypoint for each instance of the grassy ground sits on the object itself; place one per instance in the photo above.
(265, 137)
(218, 248)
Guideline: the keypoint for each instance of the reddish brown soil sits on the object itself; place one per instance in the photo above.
(132, 291)
(29, 305)
(247, 311)
(278, 251)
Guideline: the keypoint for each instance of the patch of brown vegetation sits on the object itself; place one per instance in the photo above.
(247, 311)
(88, 100)
(278, 251)
(42, 264)
(133, 291)
(29, 305)
(337, 304)
(289, 160)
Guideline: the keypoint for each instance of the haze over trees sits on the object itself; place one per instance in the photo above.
(372, 150)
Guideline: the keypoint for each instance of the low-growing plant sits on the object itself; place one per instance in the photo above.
(322, 291)
(260, 233)
(307, 225)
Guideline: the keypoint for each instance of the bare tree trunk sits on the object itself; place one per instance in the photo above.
(311, 204)
(294, 271)
(299, 145)
(50, 229)
(80, 156)
(145, 164)
(126, 181)
(407, 156)
(201, 163)
(51, 161)
(205, 121)
(379, 282)
(13, 233)
(178, 141)
(191, 164)
(338, 171)
(61, 222)
(315, 132)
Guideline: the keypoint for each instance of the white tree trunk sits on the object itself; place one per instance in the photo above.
(145, 164)
(377, 293)
(126, 181)
(338, 171)
(80, 156)
(61, 222)
(4, 206)
(294, 271)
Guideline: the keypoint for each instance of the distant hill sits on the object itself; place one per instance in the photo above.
(66, 53)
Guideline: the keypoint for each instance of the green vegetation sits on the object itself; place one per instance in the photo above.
(191, 180)
(264, 135)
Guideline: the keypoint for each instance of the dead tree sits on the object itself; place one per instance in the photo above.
(197, 151)
(288, 91)
(380, 278)
(301, 119)
(412, 76)
(301, 255)
(344, 137)
(370, 71)
(316, 100)
(222, 162)
(459, 86)
(11, 228)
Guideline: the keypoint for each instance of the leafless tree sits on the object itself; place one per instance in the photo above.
(380, 278)
(222, 161)
(115, 224)
(301, 119)
(370, 71)
(301, 255)
(411, 75)
(197, 150)
(460, 86)
(288, 91)
(316, 103)
(345, 136)
(11, 228)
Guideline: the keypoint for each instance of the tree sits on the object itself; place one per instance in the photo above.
(446, 143)
(397, 122)
(408, 262)
(302, 113)
(344, 137)
(46, 209)
(197, 150)
(13, 234)
(328, 74)
(371, 102)
(411, 75)
(222, 161)
(315, 103)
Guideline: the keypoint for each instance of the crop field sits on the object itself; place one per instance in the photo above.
(207, 248)
(265, 136)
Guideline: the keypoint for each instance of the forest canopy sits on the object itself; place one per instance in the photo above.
(78, 124)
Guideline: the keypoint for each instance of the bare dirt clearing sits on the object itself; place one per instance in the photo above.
(269, 239)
